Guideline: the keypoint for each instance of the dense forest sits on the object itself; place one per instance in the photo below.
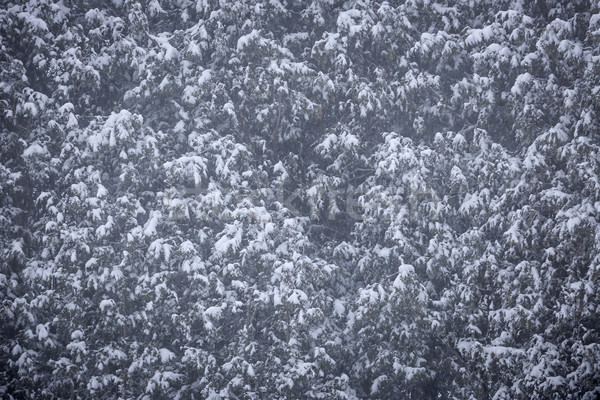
(300, 199)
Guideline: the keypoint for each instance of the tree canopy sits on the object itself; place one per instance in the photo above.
(288, 199)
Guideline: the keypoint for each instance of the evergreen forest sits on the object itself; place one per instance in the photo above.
(300, 199)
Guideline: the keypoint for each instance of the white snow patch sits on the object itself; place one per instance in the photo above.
(150, 226)
(478, 35)
(276, 297)
(41, 331)
(34, 149)
(166, 355)
(338, 308)
(213, 312)
(205, 76)
(106, 303)
(245, 40)
(377, 382)
(76, 334)
(404, 271)
(231, 240)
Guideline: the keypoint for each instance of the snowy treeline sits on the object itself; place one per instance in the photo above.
(289, 199)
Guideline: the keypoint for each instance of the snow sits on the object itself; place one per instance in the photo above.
(345, 21)
(78, 347)
(303, 368)
(150, 225)
(146, 200)
(105, 229)
(41, 331)
(66, 108)
(214, 312)
(34, 149)
(470, 202)
(348, 140)
(116, 273)
(205, 77)
(338, 308)
(329, 141)
(187, 247)
(93, 384)
(476, 36)
(33, 21)
(76, 334)
(521, 81)
(404, 271)
(17, 349)
(513, 234)
(555, 381)
(169, 52)
(161, 379)
(91, 262)
(166, 355)
(573, 222)
(276, 297)
(16, 247)
(332, 43)
(377, 382)
(164, 83)
(279, 168)
(245, 40)
(154, 8)
(297, 296)
(106, 303)
(230, 240)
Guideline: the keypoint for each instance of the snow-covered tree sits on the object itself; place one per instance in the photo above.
(299, 199)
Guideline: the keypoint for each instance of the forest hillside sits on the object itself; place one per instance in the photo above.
(289, 199)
